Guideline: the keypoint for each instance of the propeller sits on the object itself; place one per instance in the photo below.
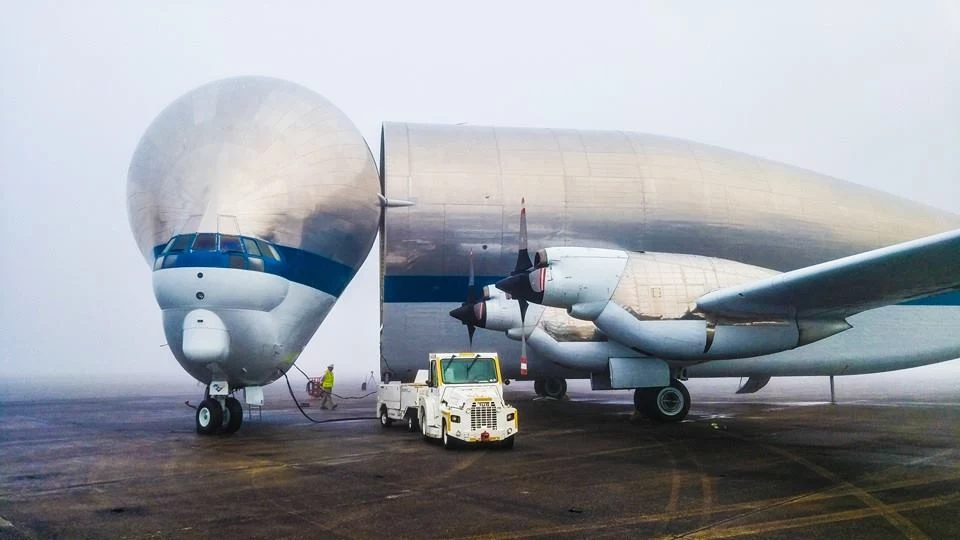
(524, 264)
(469, 313)
(520, 271)
(520, 283)
(472, 313)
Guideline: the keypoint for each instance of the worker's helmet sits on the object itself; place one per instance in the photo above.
(330, 366)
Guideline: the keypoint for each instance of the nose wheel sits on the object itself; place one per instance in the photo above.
(233, 415)
(209, 417)
(664, 404)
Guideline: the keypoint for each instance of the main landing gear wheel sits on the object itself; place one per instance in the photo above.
(665, 404)
(555, 387)
(538, 387)
(209, 417)
(385, 420)
(232, 415)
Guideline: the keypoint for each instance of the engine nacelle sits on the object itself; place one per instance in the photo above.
(499, 312)
(569, 277)
(698, 339)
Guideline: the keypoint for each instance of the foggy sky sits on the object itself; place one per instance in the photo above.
(868, 92)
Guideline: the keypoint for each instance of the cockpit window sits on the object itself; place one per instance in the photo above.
(180, 243)
(230, 243)
(217, 249)
(252, 248)
(268, 250)
(205, 242)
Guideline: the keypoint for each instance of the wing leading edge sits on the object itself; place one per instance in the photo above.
(843, 287)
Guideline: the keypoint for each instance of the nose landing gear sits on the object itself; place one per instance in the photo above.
(220, 414)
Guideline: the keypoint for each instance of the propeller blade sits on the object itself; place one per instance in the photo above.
(518, 284)
(466, 313)
(523, 255)
(471, 298)
(523, 349)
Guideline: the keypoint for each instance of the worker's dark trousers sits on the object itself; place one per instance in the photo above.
(327, 399)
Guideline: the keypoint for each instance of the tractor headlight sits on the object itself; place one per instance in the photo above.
(454, 419)
(510, 417)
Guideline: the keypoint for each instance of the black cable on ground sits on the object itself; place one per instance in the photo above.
(328, 421)
(368, 394)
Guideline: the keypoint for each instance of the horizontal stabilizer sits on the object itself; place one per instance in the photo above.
(843, 287)
(753, 384)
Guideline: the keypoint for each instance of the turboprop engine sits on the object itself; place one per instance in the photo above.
(496, 311)
(647, 301)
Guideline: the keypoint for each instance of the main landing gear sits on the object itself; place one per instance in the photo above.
(219, 414)
(553, 387)
(664, 404)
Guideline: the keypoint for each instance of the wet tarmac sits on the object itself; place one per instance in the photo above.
(133, 468)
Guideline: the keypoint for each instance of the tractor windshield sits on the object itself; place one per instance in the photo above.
(469, 370)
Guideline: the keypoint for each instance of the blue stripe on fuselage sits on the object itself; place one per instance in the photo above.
(295, 264)
(943, 299)
(432, 288)
(450, 289)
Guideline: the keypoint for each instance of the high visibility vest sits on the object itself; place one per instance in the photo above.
(327, 381)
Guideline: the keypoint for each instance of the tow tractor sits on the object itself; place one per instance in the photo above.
(458, 399)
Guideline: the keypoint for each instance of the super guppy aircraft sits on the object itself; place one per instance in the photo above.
(255, 201)
(652, 259)
(656, 259)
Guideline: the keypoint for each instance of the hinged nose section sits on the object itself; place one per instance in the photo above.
(205, 337)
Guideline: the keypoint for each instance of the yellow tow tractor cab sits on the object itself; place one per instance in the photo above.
(459, 400)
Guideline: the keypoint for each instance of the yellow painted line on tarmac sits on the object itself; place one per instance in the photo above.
(748, 506)
(577, 457)
(904, 525)
(826, 519)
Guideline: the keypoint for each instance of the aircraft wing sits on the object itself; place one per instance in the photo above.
(846, 286)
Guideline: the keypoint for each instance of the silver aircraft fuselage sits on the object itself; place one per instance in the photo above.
(634, 192)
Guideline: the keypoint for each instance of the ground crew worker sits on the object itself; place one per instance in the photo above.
(326, 387)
